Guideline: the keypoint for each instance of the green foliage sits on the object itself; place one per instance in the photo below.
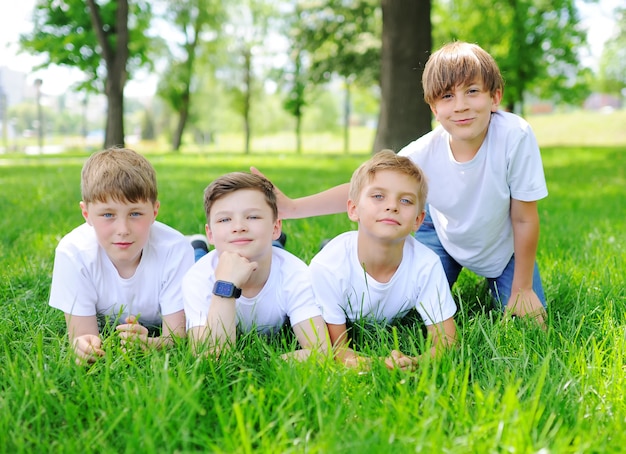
(342, 38)
(534, 42)
(63, 32)
(612, 72)
(507, 387)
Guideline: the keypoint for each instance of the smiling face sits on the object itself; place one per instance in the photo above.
(122, 230)
(243, 222)
(465, 112)
(387, 208)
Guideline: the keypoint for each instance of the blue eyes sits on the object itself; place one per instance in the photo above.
(134, 214)
(380, 197)
(251, 217)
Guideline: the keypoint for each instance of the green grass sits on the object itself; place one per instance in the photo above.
(508, 387)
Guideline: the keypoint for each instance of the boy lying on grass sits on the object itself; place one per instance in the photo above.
(245, 283)
(380, 272)
(121, 264)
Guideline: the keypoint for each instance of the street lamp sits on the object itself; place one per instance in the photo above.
(38, 83)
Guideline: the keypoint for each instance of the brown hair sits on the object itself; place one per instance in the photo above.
(459, 63)
(236, 181)
(119, 174)
(388, 160)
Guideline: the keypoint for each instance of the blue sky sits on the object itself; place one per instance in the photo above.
(597, 18)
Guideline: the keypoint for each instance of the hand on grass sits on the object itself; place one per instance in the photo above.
(88, 348)
(399, 360)
(132, 333)
(526, 303)
(286, 206)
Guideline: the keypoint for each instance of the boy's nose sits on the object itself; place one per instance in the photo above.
(122, 226)
(239, 225)
(459, 102)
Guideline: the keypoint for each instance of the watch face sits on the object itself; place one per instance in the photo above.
(224, 288)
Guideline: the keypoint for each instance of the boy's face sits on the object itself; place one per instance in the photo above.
(387, 207)
(465, 113)
(122, 229)
(243, 222)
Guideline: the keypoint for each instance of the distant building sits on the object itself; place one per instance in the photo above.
(598, 101)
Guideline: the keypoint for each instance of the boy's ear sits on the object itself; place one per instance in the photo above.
(157, 205)
(352, 212)
(84, 211)
(419, 220)
(209, 234)
(496, 99)
(278, 226)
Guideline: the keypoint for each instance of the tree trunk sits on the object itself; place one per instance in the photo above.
(115, 60)
(346, 117)
(183, 115)
(406, 45)
(114, 131)
(247, 98)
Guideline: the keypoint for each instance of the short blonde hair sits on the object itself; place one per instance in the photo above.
(235, 181)
(459, 63)
(119, 174)
(388, 160)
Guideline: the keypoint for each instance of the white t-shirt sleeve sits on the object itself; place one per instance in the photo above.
(301, 302)
(177, 262)
(435, 303)
(526, 177)
(72, 289)
(198, 289)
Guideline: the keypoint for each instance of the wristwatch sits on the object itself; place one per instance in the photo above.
(226, 289)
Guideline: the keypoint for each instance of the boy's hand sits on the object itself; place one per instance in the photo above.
(132, 333)
(286, 206)
(88, 348)
(527, 303)
(234, 268)
(399, 360)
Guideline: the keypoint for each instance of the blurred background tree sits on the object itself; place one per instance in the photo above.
(309, 65)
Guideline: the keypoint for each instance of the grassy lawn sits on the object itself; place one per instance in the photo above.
(507, 387)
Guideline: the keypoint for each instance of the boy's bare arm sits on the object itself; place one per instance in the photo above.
(443, 336)
(523, 299)
(343, 352)
(84, 337)
(330, 201)
(312, 335)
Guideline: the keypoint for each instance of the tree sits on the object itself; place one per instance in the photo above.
(343, 40)
(94, 37)
(612, 73)
(249, 36)
(192, 18)
(406, 45)
(534, 42)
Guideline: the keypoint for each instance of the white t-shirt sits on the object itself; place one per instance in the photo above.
(286, 294)
(346, 292)
(470, 202)
(85, 282)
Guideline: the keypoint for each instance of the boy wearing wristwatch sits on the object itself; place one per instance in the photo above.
(245, 283)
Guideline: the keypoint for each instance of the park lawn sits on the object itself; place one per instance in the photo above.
(507, 387)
